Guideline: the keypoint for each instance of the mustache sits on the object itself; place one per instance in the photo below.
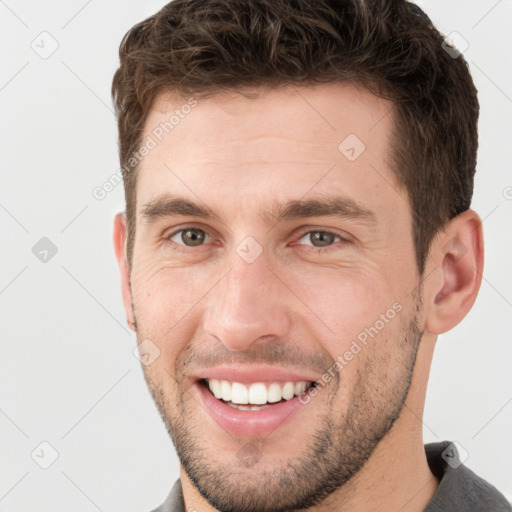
(276, 353)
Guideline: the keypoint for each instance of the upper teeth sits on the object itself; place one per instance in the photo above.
(256, 393)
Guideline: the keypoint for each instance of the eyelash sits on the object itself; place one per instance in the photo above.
(309, 248)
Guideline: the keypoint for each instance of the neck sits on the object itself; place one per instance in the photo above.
(396, 477)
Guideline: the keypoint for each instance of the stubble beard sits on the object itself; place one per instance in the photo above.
(333, 454)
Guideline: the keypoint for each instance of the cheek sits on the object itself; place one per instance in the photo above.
(165, 300)
(345, 301)
(159, 287)
(357, 318)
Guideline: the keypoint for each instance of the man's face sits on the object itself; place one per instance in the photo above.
(273, 288)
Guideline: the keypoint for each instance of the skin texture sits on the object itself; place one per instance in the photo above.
(357, 444)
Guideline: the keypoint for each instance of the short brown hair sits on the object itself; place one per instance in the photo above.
(200, 47)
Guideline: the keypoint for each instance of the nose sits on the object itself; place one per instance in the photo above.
(248, 304)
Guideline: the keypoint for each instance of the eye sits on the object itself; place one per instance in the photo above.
(316, 240)
(320, 239)
(190, 237)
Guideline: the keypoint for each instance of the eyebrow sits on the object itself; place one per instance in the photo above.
(332, 206)
(169, 206)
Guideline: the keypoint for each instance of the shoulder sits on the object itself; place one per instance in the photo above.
(459, 487)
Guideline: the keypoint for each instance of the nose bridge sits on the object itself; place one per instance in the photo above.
(247, 304)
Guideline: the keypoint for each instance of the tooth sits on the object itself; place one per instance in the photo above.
(225, 387)
(288, 390)
(239, 393)
(214, 386)
(300, 387)
(247, 407)
(274, 393)
(240, 407)
(258, 393)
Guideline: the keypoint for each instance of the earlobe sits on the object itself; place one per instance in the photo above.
(459, 255)
(119, 238)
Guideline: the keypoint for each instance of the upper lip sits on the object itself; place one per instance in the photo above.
(248, 375)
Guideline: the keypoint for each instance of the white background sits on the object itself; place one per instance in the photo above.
(68, 374)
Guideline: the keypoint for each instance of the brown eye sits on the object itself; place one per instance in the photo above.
(190, 237)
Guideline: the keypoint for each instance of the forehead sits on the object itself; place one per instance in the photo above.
(276, 142)
(307, 115)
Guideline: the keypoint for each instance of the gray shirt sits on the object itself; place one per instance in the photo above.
(459, 490)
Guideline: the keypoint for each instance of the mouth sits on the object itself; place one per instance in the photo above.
(255, 396)
(254, 400)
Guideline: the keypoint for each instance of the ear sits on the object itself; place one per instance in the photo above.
(458, 255)
(119, 246)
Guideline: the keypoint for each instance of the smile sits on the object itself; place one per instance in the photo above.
(252, 409)
(255, 396)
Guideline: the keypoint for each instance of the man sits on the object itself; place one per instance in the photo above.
(298, 232)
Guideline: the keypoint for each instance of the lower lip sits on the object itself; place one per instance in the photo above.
(248, 423)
